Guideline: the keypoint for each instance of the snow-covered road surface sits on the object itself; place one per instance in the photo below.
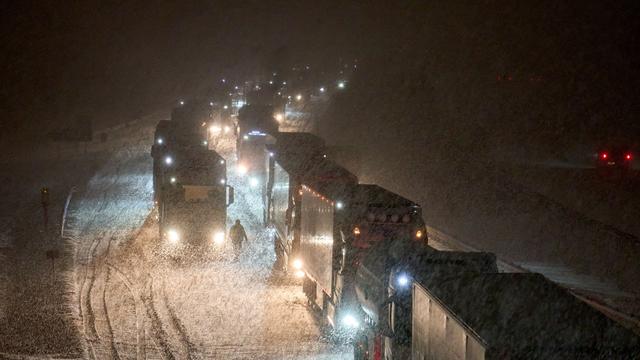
(132, 303)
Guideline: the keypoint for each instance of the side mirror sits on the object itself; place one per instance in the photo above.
(230, 195)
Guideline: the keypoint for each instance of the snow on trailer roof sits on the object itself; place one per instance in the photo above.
(330, 179)
(298, 142)
(194, 153)
(377, 196)
(526, 315)
(420, 260)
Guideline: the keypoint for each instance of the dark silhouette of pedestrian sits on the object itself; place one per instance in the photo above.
(238, 236)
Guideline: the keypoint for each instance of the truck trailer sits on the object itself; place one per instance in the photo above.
(383, 290)
(193, 201)
(511, 316)
(287, 161)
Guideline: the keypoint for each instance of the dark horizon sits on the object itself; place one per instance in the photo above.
(110, 61)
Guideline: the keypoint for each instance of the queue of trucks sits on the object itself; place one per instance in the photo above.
(362, 253)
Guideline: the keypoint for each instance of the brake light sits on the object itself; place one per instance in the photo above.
(628, 156)
(603, 156)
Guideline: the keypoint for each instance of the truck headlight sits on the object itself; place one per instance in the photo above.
(173, 236)
(297, 264)
(350, 321)
(403, 280)
(218, 237)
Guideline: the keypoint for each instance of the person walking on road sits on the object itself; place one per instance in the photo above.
(238, 235)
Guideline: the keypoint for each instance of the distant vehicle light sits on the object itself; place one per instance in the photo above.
(221, 162)
(604, 155)
(341, 85)
(168, 160)
(181, 102)
(218, 237)
(160, 141)
(211, 103)
(253, 182)
(205, 143)
(322, 89)
(297, 264)
(419, 234)
(356, 231)
(225, 107)
(173, 236)
(339, 205)
(173, 180)
(223, 181)
(246, 137)
(628, 156)
(270, 154)
(299, 97)
(279, 117)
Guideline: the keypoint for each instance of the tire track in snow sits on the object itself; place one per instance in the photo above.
(160, 335)
(140, 334)
(177, 326)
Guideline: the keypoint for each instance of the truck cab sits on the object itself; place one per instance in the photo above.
(193, 201)
(339, 225)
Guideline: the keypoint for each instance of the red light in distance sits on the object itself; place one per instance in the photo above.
(628, 156)
(603, 156)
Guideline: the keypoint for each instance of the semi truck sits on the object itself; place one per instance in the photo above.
(193, 201)
(339, 222)
(383, 290)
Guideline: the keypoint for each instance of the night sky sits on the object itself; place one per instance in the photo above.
(124, 58)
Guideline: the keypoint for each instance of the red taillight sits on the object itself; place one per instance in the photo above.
(603, 156)
(628, 156)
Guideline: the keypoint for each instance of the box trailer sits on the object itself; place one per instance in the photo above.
(511, 316)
